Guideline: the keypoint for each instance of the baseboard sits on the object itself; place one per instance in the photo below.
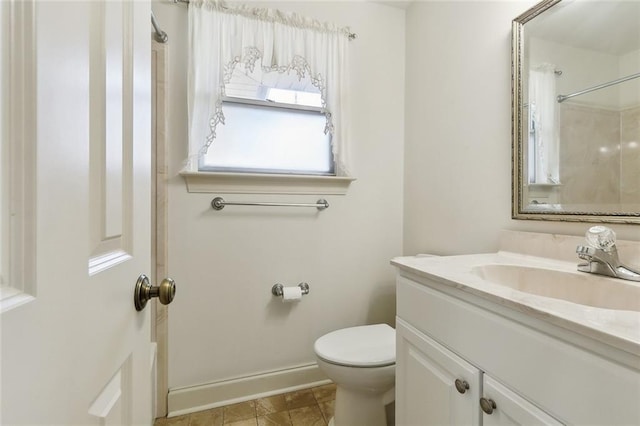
(211, 395)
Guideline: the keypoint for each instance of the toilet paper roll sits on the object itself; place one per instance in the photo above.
(291, 294)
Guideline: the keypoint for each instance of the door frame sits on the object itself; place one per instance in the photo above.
(159, 223)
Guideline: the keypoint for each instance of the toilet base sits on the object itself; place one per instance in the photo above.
(355, 408)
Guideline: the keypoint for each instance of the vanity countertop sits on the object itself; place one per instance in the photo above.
(617, 328)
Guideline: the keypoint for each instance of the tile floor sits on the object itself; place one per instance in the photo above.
(307, 407)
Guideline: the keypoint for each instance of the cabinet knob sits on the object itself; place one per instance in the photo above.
(487, 405)
(461, 385)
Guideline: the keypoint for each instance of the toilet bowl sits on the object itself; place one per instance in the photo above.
(361, 361)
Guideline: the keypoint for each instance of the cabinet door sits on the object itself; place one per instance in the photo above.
(426, 374)
(511, 409)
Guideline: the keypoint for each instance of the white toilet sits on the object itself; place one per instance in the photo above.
(361, 361)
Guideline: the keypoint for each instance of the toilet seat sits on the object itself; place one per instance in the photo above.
(364, 346)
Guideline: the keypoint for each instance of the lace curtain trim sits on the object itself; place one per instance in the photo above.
(271, 15)
(251, 55)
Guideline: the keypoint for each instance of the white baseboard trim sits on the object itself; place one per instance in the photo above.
(211, 395)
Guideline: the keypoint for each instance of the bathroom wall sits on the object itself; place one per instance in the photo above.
(224, 322)
(458, 130)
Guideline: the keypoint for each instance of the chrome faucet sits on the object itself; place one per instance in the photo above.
(602, 255)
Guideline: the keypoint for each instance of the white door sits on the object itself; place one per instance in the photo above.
(434, 386)
(77, 352)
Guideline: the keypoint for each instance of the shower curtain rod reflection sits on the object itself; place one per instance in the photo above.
(562, 98)
(352, 36)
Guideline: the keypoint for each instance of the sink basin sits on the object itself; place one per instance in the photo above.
(577, 287)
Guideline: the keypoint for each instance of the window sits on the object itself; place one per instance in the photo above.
(267, 97)
(270, 129)
(276, 138)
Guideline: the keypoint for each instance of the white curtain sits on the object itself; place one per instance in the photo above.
(544, 152)
(222, 36)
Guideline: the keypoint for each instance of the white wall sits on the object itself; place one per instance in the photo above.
(458, 130)
(224, 322)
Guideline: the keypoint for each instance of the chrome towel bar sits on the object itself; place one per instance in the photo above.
(218, 203)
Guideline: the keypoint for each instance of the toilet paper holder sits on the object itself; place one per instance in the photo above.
(278, 289)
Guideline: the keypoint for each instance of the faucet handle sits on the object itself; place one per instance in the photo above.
(601, 237)
(585, 252)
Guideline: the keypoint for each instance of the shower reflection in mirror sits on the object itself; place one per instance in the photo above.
(543, 142)
(577, 135)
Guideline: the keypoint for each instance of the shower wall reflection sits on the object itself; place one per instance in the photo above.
(599, 155)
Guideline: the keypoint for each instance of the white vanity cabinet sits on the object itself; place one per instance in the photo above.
(437, 386)
(513, 409)
(534, 372)
(440, 388)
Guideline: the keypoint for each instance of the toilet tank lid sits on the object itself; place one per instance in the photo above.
(364, 346)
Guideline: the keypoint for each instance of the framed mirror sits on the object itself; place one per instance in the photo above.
(576, 112)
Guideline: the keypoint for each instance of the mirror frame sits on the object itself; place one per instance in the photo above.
(518, 118)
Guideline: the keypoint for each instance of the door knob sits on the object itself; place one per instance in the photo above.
(144, 292)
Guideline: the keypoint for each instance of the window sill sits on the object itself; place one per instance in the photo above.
(543, 185)
(254, 183)
(12, 298)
